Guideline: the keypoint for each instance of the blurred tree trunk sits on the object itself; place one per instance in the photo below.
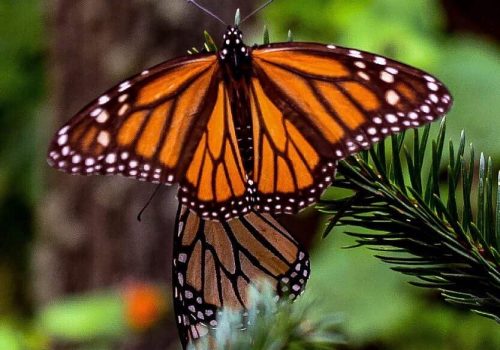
(90, 238)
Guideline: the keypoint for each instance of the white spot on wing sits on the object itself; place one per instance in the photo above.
(124, 86)
(111, 158)
(62, 139)
(64, 130)
(388, 78)
(429, 78)
(380, 60)
(432, 86)
(391, 118)
(96, 112)
(103, 138)
(103, 99)
(425, 109)
(123, 109)
(76, 159)
(392, 70)
(102, 117)
(355, 53)
(392, 97)
(364, 76)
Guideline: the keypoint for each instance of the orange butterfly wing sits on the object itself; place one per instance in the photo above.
(313, 105)
(169, 124)
(215, 183)
(141, 128)
(215, 264)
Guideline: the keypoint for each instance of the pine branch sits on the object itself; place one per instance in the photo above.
(414, 223)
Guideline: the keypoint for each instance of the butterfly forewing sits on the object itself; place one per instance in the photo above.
(314, 105)
(216, 263)
(145, 128)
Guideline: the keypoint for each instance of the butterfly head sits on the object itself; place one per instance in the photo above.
(233, 46)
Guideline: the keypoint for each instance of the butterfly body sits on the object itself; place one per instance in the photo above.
(248, 128)
(236, 70)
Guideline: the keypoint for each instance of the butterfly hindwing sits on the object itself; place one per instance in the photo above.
(215, 264)
(290, 171)
(215, 184)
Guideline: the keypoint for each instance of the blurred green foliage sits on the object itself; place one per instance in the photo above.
(379, 307)
(85, 318)
(22, 86)
(94, 320)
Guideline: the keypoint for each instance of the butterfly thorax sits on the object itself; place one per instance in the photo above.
(235, 60)
(234, 54)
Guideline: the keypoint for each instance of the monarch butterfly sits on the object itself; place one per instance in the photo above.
(247, 128)
(215, 263)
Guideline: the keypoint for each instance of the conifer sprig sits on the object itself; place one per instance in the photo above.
(422, 228)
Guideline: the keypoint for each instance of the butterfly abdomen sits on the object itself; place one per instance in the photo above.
(243, 128)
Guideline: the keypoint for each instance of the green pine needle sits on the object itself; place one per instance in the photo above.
(451, 250)
(210, 45)
(237, 18)
(266, 36)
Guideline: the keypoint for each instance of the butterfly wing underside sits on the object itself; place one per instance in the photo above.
(313, 105)
(215, 264)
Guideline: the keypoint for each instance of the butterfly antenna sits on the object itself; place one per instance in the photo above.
(207, 11)
(257, 10)
(139, 216)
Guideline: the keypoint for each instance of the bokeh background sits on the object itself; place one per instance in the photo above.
(78, 271)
